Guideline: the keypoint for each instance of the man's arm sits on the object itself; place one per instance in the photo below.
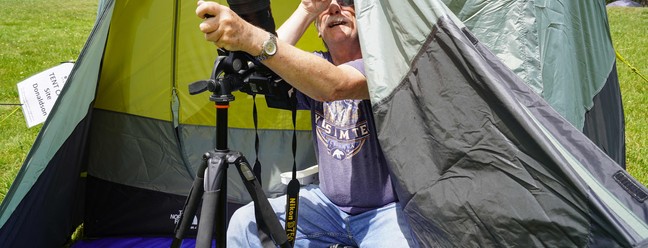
(293, 28)
(315, 76)
(310, 74)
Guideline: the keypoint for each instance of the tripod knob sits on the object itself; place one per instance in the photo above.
(247, 172)
(199, 86)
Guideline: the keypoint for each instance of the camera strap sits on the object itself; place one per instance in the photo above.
(292, 191)
(262, 227)
(257, 165)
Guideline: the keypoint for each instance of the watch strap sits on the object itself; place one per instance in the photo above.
(271, 41)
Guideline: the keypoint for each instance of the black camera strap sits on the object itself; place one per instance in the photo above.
(263, 231)
(292, 191)
(257, 165)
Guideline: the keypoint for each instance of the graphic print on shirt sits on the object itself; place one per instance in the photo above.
(340, 128)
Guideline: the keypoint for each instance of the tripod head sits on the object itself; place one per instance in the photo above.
(227, 76)
(240, 71)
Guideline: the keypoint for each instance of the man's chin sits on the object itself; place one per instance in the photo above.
(340, 30)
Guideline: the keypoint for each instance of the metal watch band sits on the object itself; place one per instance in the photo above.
(268, 49)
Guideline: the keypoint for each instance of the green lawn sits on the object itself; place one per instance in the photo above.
(629, 28)
(38, 34)
(34, 35)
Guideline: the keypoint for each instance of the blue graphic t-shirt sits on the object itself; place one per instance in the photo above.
(352, 168)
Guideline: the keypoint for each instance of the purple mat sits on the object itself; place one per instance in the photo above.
(133, 242)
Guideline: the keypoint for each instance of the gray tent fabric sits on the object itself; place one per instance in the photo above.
(548, 45)
(479, 158)
(604, 122)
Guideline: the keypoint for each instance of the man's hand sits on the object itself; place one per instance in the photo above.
(228, 30)
(307, 12)
(315, 7)
(310, 74)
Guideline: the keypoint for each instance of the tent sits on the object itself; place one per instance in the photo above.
(486, 160)
(549, 46)
(120, 148)
(624, 3)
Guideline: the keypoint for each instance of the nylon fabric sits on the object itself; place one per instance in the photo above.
(477, 157)
(399, 41)
(547, 44)
(119, 210)
(155, 163)
(151, 161)
(61, 122)
(136, 80)
(182, 56)
(58, 189)
(508, 30)
(275, 158)
(475, 129)
(480, 159)
(471, 171)
(138, 87)
(605, 124)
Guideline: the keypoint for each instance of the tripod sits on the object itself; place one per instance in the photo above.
(210, 184)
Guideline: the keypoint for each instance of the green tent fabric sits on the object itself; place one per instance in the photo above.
(480, 159)
(120, 150)
(563, 51)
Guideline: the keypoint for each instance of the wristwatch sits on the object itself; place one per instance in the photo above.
(268, 48)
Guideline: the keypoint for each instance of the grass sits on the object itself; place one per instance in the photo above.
(34, 35)
(629, 29)
(33, 38)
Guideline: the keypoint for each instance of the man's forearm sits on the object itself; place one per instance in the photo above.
(312, 75)
(293, 29)
(317, 77)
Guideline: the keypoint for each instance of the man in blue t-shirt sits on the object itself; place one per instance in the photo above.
(355, 204)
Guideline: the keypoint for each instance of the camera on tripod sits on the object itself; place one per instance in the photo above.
(236, 71)
(240, 71)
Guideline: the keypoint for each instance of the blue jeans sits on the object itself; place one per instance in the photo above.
(321, 224)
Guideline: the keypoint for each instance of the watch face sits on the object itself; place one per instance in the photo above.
(271, 47)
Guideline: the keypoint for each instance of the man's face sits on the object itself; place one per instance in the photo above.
(337, 23)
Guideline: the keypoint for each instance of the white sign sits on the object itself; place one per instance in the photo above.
(39, 92)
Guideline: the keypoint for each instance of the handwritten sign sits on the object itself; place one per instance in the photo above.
(39, 92)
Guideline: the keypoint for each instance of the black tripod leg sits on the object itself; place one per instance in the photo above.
(221, 217)
(214, 174)
(191, 205)
(207, 219)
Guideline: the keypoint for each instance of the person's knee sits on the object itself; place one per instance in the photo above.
(242, 227)
(242, 218)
